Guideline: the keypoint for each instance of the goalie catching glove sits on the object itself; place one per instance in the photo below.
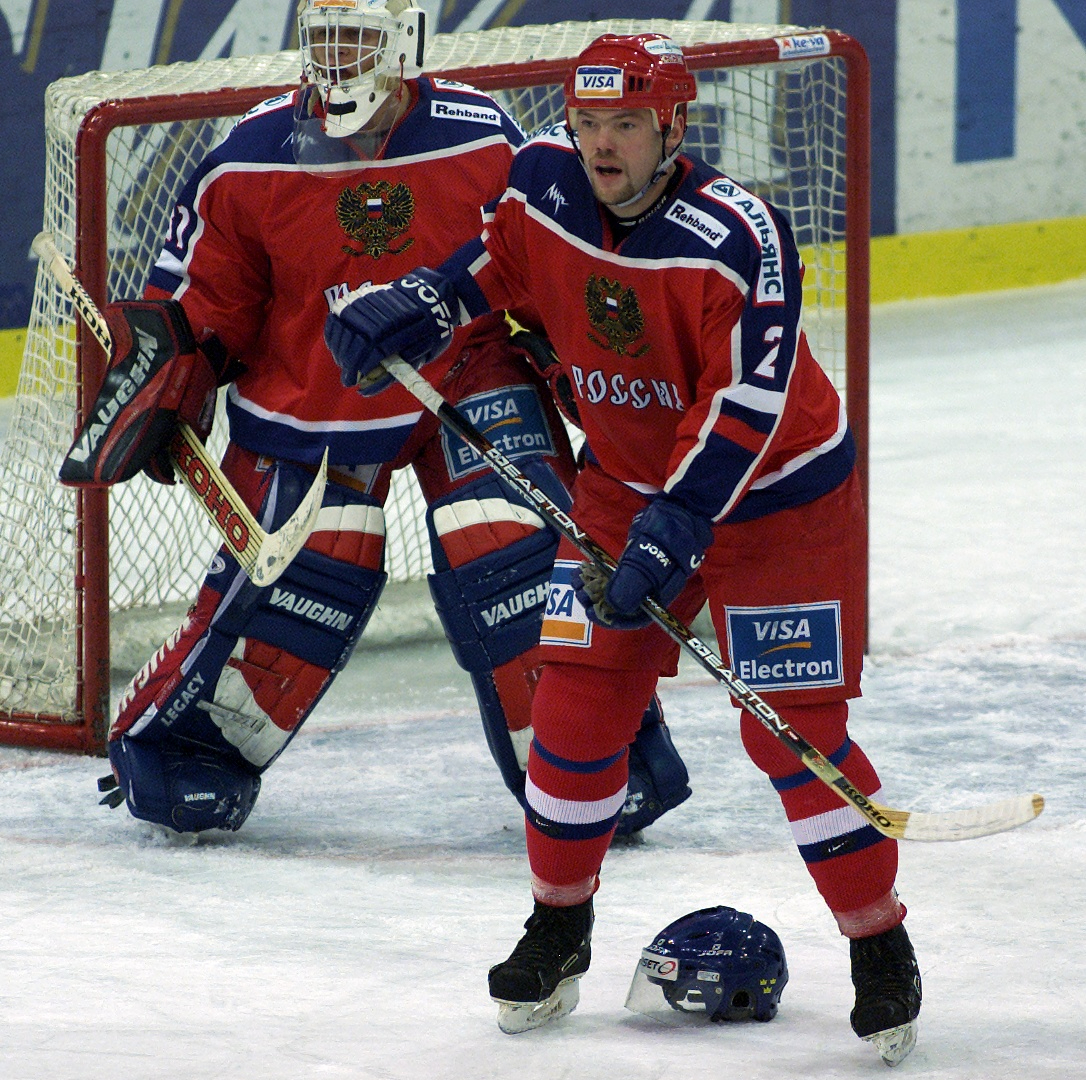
(157, 377)
(412, 317)
(665, 545)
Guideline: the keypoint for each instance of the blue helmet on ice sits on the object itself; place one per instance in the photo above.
(718, 961)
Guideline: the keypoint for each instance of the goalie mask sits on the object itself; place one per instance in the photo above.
(356, 53)
(717, 962)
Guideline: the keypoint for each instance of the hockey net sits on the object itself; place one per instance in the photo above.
(780, 109)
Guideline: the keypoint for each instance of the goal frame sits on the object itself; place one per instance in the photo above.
(87, 733)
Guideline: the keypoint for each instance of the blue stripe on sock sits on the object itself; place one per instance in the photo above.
(845, 844)
(805, 776)
(576, 766)
(563, 830)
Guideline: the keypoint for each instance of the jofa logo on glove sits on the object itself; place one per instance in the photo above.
(664, 559)
(432, 298)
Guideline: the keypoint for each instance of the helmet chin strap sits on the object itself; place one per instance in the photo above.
(661, 170)
(666, 161)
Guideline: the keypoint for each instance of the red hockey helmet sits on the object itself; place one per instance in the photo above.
(635, 71)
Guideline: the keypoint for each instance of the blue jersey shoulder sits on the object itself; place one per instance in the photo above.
(445, 115)
(263, 134)
(548, 174)
(711, 217)
(759, 245)
(449, 114)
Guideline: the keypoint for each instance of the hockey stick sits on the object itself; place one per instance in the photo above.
(899, 824)
(262, 555)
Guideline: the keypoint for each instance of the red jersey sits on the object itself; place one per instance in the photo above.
(682, 341)
(259, 248)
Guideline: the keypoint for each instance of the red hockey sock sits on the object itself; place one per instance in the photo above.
(853, 865)
(584, 718)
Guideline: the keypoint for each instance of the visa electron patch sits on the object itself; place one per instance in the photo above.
(511, 418)
(564, 620)
(796, 647)
(598, 81)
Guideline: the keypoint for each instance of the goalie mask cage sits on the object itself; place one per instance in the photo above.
(781, 109)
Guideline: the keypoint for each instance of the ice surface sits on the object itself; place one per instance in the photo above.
(347, 929)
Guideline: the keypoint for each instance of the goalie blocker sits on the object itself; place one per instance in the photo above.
(157, 377)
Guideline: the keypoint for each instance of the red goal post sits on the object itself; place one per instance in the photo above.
(781, 109)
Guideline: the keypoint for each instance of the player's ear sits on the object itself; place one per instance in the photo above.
(678, 129)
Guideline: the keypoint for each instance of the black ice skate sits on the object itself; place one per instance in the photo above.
(887, 982)
(538, 982)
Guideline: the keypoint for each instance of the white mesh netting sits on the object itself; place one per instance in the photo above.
(778, 128)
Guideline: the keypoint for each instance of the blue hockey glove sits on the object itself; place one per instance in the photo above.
(665, 545)
(412, 316)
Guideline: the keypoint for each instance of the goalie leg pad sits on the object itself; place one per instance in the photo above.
(658, 780)
(492, 560)
(488, 599)
(286, 653)
(249, 664)
(289, 640)
(185, 791)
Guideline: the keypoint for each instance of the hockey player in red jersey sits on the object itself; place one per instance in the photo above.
(367, 169)
(720, 468)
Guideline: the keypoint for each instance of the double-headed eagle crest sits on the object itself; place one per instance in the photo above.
(615, 314)
(375, 215)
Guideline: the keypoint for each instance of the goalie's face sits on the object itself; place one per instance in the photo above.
(622, 149)
(358, 54)
(339, 53)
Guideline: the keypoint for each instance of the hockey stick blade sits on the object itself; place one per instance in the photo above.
(262, 555)
(278, 549)
(898, 824)
(967, 824)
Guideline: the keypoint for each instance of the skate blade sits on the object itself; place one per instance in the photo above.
(894, 1044)
(517, 1016)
